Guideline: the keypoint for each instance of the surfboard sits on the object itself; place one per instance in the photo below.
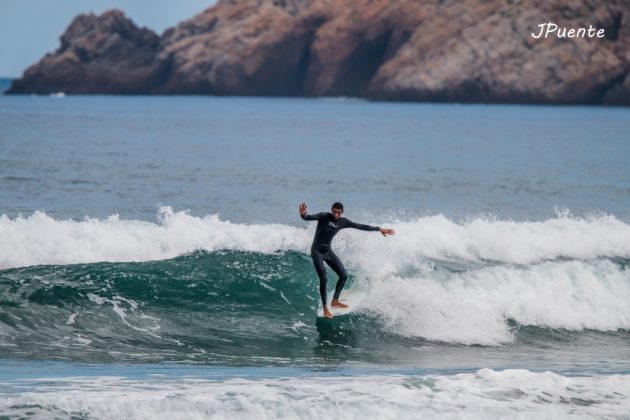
(351, 297)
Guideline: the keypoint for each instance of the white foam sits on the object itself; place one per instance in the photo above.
(71, 319)
(41, 239)
(437, 237)
(473, 307)
(117, 306)
(481, 395)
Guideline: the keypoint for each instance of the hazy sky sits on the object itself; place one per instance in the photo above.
(31, 28)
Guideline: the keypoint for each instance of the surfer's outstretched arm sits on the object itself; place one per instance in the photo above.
(359, 226)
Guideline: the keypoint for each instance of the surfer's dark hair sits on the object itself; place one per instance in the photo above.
(337, 205)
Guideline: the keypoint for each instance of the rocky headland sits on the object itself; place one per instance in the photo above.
(434, 50)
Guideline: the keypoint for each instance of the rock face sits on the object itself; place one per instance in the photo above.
(435, 50)
(98, 54)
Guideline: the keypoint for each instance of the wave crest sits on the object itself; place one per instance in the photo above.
(40, 239)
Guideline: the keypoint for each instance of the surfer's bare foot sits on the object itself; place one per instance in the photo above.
(336, 304)
(327, 313)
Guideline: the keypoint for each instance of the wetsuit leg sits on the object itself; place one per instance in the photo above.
(318, 261)
(335, 263)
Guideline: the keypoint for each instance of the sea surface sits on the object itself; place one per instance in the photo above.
(153, 263)
(5, 84)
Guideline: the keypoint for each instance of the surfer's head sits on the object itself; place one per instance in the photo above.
(337, 210)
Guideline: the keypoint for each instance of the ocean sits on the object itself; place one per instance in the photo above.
(4, 84)
(153, 263)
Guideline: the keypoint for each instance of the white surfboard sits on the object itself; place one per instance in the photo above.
(351, 297)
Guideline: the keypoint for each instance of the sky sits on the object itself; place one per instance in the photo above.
(31, 28)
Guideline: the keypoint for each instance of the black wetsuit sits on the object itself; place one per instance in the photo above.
(327, 228)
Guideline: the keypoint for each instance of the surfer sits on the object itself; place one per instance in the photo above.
(328, 224)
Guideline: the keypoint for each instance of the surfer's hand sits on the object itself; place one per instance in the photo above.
(386, 232)
(302, 208)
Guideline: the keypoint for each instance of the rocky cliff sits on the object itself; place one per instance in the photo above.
(434, 50)
(98, 54)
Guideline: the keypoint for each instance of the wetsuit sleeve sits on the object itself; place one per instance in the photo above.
(313, 216)
(351, 224)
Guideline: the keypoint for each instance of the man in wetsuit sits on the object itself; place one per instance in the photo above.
(328, 224)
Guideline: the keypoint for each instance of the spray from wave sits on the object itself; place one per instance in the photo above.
(477, 306)
(41, 239)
